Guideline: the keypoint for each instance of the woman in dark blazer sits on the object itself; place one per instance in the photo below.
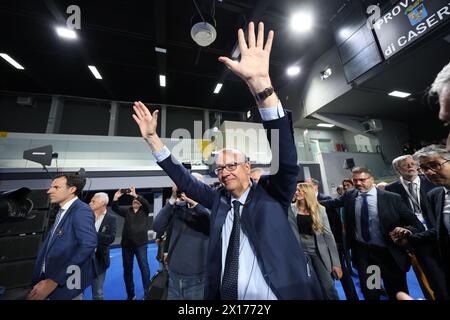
(309, 221)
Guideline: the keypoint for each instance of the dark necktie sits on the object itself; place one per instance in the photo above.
(413, 194)
(52, 231)
(230, 274)
(365, 218)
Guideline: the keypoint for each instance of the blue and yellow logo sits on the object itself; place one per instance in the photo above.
(416, 12)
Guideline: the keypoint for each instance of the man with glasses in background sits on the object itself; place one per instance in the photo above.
(434, 162)
(372, 217)
(413, 188)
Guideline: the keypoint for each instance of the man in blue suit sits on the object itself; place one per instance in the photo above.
(253, 253)
(65, 265)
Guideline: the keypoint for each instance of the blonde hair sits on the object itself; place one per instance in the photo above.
(312, 205)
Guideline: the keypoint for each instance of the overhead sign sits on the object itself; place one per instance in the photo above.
(408, 21)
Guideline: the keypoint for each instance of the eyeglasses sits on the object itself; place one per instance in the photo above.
(229, 166)
(361, 180)
(434, 166)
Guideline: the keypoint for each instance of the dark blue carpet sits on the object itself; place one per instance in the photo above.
(114, 288)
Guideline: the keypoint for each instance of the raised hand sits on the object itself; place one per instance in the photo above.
(146, 121)
(254, 65)
(117, 195)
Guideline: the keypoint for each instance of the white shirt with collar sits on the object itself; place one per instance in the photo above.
(66, 207)
(98, 222)
(416, 185)
(251, 282)
(446, 210)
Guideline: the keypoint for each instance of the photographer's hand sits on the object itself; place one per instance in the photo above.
(133, 192)
(117, 195)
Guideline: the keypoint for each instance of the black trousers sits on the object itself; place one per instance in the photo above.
(346, 280)
(394, 279)
(428, 257)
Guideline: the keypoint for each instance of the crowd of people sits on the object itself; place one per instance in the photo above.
(257, 236)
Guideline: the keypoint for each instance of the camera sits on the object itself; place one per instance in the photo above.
(125, 190)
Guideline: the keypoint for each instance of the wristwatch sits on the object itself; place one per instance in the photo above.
(263, 95)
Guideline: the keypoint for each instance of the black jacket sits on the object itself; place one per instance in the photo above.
(392, 213)
(135, 228)
(105, 236)
(437, 235)
(425, 187)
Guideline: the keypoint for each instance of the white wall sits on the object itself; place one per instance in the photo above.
(354, 144)
(107, 152)
(248, 137)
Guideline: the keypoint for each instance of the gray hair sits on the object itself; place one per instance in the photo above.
(198, 176)
(314, 181)
(243, 157)
(396, 161)
(442, 79)
(257, 170)
(431, 151)
(103, 196)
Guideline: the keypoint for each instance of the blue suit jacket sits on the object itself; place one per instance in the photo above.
(264, 220)
(73, 243)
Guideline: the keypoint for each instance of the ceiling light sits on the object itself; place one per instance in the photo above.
(399, 94)
(203, 33)
(160, 50)
(345, 33)
(95, 72)
(325, 74)
(293, 71)
(325, 125)
(218, 87)
(162, 80)
(66, 33)
(11, 61)
(301, 22)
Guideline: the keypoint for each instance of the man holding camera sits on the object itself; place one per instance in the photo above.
(188, 224)
(134, 238)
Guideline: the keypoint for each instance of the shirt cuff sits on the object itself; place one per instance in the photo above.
(162, 154)
(171, 201)
(272, 113)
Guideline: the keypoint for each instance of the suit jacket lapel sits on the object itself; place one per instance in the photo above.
(381, 208)
(66, 214)
(222, 212)
(403, 194)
